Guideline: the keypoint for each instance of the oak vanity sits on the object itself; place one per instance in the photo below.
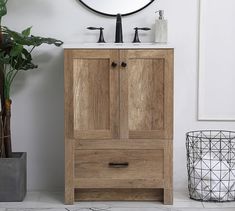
(118, 122)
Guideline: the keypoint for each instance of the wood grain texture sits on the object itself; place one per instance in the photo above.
(143, 164)
(69, 171)
(91, 94)
(119, 115)
(114, 95)
(95, 94)
(124, 130)
(124, 144)
(169, 94)
(68, 95)
(69, 144)
(92, 134)
(148, 94)
(118, 183)
(118, 194)
(168, 172)
(168, 196)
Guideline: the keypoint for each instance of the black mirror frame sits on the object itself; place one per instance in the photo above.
(114, 15)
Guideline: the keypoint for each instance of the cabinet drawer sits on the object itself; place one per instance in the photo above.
(119, 168)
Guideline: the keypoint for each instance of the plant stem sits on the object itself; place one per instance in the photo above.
(32, 49)
(13, 77)
(10, 76)
(6, 82)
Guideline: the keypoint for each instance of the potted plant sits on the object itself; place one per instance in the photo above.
(15, 55)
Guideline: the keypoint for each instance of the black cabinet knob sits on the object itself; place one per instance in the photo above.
(123, 64)
(114, 64)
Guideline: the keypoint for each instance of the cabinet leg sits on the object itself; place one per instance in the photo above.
(69, 171)
(69, 196)
(168, 197)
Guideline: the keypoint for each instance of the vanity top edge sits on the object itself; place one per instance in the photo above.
(116, 46)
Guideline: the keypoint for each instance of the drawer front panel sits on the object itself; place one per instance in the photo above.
(122, 167)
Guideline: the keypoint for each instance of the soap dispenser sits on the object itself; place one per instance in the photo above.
(161, 28)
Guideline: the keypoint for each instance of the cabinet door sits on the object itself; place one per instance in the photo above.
(91, 94)
(146, 94)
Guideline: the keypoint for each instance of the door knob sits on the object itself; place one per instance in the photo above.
(114, 64)
(123, 64)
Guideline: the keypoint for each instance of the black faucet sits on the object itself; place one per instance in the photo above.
(118, 35)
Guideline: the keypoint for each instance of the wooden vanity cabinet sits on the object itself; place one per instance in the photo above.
(118, 124)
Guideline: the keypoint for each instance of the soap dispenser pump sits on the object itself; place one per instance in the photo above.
(161, 28)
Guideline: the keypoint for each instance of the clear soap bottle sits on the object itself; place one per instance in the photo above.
(161, 28)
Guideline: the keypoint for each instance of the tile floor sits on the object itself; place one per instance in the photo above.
(53, 201)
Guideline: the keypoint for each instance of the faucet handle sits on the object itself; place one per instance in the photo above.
(101, 38)
(93, 28)
(144, 28)
(136, 38)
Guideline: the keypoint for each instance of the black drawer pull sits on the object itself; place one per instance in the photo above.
(119, 165)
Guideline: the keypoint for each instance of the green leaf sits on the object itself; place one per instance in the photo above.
(27, 31)
(13, 51)
(7, 43)
(26, 55)
(29, 66)
(43, 40)
(16, 50)
(4, 59)
(32, 40)
(3, 8)
(12, 34)
(23, 61)
(27, 58)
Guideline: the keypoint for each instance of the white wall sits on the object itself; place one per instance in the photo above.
(37, 117)
(216, 83)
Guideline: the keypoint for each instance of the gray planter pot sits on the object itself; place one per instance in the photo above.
(13, 175)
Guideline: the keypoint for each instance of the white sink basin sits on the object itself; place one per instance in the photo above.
(114, 45)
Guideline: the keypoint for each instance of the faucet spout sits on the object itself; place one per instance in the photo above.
(119, 35)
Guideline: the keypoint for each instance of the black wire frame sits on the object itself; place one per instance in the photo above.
(211, 165)
(114, 15)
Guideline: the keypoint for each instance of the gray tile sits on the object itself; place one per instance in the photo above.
(219, 205)
(53, 201)
(102, 207)
(29, 205)
(187, 204)
(94, 208)
(33, 209)
(121, 209)
(51, 197)
(32, 197)
(121, 204)
(37, 200)
(181, 196)
(141, 209)
(21, 209)
(205, 209)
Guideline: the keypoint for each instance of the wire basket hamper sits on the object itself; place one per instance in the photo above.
(211, 165)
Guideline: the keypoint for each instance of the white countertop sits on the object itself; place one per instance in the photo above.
(115, 46)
